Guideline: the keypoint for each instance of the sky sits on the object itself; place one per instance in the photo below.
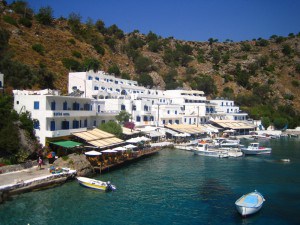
(190, 20)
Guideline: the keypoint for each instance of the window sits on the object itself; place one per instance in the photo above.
(85, 123)
(164, 122)
(97, 78)
(102, 121)
(96, 88)
(65, 106)
(138, 119)
(17, 102)
(123, 107)
(75, 106)
(75, 124)
(99, 107)
(146, 108)
(184, 120)
(65, 125)
(52, 125)
(175, 112)
(168, 111)
(53, 105)
(36, 105)
(95, 123)
(170, 121)
(90, 78)
(151, 118)
(86, 106)
(134, 108)
(177, 121)
(145, 118)
(36, 124)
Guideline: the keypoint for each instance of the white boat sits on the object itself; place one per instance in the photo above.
(96, 184)
(249, 203)
(233, 152)
(225, 142)
(203, 149)
(255, 149)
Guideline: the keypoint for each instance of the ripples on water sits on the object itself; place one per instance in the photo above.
(173, 187)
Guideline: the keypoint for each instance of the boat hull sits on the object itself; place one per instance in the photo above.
(95, 184)
(211, 153)
(245, 211)
(250, 203)
(255, 152)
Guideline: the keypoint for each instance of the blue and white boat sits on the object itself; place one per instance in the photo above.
(250, 203)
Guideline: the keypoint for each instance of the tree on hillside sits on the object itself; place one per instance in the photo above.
(145, 80)
(45, 15)
(112, 127)
(100, 25)
(265, 121)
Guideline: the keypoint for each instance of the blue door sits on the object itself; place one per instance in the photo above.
(52, 125)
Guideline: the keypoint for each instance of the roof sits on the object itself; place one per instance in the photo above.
(99, 138)
(128, 131)
(186, 128)
(67, 144)
(234, 124)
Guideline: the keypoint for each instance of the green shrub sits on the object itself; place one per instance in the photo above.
(289, 97)
(145, 80)
(295, 83)
(100, 50)
(114, 69)
(245, 47)
(76, 54)
(10, 20)
(39, 48)
(125, 76)
(91, 64)
(71, 41)
(25, 22)
(65, 157)
(71, 64)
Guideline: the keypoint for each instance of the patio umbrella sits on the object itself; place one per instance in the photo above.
(129, 146)
(109, 151)
(119, 149)
(93, 153)
(133, 140)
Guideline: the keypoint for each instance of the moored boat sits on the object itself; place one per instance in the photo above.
(255, 149)
(203, 149)
(96, 184)
(250, 203)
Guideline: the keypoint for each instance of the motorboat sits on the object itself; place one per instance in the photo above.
(255, 149)
(225, 142)
(96, 184)
(233, 152)
(186, 146)
(203, 149)
(250, 203)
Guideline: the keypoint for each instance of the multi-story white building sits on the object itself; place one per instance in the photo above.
(55, 115)
(96, 98)
(229, 110)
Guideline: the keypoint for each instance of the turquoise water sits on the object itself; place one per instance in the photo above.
(173, 187)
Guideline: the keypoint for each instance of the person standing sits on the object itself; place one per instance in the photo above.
(40, 162)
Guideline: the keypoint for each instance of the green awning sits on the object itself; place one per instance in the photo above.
(67, 144)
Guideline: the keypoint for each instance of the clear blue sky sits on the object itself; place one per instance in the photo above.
(192, 20)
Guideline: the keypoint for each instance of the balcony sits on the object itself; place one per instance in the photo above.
(68, 113)
(61, 133)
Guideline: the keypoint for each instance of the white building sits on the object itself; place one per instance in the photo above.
(229, 109)
(55, 115)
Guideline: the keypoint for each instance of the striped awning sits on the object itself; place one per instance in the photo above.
(99, 138)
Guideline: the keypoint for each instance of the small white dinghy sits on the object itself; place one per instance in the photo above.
(96, 184)
(249, 203)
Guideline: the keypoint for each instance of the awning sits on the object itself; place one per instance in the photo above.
(67, 144)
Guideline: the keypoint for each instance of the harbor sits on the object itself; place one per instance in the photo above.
(173, 186)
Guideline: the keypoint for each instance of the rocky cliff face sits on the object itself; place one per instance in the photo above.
(76, 162)
(267, 69)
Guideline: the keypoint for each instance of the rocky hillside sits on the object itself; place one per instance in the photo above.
(261, 75)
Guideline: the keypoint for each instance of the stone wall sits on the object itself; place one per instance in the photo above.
(17, 167)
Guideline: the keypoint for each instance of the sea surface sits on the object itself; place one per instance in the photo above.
(173, 187)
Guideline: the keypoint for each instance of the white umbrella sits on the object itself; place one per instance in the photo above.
(133, 140)
(109, 151)
(143, 138)
(93, 153)
(119, 149)
(130, 146)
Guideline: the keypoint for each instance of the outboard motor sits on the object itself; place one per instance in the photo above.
(110, 187)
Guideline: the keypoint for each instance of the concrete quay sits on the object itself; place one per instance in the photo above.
(30, 179)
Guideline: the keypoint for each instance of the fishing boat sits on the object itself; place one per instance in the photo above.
(255, 149)
(96, 184)
(250, 203)
(203, 149)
